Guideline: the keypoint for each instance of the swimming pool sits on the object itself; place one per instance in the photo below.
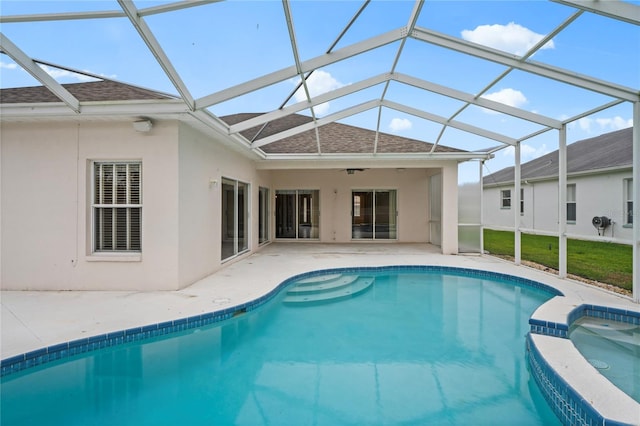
(411, 346)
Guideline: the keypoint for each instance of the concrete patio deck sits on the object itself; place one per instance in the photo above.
(36, 319)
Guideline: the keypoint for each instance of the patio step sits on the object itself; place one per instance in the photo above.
(334, 294)
(317, 286)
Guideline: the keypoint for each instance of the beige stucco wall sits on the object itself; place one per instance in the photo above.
(335, 188)
(203, 162)
(45, 196)
(46, 232)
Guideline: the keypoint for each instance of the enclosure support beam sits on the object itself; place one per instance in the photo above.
(449, 216)
(156, 49)
(480, 178)
(562, 202)
(613, 9)
(516, 207)
(38, 73)
(636, 202)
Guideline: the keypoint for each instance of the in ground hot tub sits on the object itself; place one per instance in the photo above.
(613, 348)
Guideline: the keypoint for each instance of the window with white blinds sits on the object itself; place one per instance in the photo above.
(117, 206)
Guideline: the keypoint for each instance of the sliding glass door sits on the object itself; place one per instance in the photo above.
(297, 214)
(235, 212)
(374, 214)
(263, 215)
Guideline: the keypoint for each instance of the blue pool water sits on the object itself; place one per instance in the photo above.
(613, 348)
(377, 349)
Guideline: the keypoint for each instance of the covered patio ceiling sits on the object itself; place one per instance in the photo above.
(398, 63)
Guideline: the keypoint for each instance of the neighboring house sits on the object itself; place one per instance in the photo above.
(599, 191)
(136, 192)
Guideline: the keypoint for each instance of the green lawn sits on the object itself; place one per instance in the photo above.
(605, 262)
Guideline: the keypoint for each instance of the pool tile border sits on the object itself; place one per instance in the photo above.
(550, 328)
(565, 401)
(570, 407)
(60, 351)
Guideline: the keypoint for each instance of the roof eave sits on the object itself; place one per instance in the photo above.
(117, 108)
(580, 173)
(384, 160)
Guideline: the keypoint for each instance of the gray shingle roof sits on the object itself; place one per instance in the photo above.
(610, 150)
(104, 90)
(334, 138)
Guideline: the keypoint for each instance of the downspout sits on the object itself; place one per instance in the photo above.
(562, 202)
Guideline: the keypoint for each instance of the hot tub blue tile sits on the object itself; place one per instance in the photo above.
(533, 321)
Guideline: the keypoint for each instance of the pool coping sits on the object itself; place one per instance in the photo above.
(552, 318)
(575, 390)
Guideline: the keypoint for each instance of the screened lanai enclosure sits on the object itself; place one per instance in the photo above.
(480, 84)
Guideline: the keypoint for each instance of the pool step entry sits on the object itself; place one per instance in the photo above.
(618, 334)
(327, 288)
(323, 283)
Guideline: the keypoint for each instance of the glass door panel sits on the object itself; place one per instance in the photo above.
(243, 215)
(385, 214)
(308, 214)
(362, 215)
(228, 219)
(373, 214)
(305, 203)
(315, 214)
(263, 215)
(235, 213)
(297, 214)
(285, 214)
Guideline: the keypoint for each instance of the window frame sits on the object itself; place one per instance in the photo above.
(264, 206)
(505, 195)
(359, 210)
(297, 217)
(572, 201)
(627, 203)
(97, 204)
(235, 217)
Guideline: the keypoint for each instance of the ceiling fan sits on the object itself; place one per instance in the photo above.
(353, 171)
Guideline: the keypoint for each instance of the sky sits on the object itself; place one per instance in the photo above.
(220, 45)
